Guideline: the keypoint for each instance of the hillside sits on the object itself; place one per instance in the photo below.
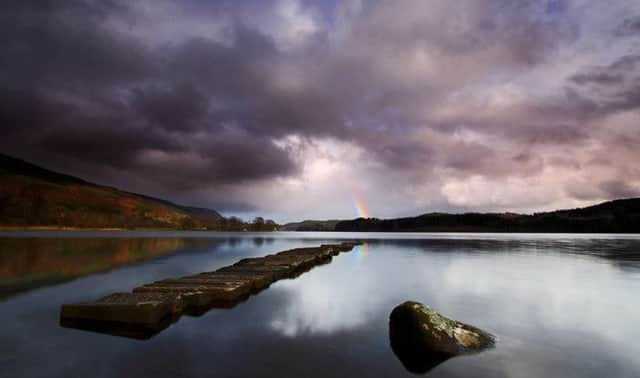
(619, 216)
(310, 225)
(32, 196)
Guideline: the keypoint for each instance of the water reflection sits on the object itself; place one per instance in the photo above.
(559, 305)
(30, 263)
(132, 331)
(415, 360)
(259, 241)
(361, 252)
(147, 329)
(501, 286)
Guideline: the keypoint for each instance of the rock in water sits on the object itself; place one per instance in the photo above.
(422, 338)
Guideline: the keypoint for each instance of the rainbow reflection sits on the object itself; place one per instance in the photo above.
(361, 251)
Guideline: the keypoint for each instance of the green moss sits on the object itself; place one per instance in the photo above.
(438, 326)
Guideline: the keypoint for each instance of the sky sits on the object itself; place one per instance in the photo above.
(296, 109)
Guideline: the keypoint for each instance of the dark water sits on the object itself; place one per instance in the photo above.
(560, 305)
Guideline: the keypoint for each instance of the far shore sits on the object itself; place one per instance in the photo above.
(61, 228)
(58, 228)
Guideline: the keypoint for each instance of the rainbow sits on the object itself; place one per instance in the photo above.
(361, 210)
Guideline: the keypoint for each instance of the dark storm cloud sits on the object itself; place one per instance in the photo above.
(174, 107)
(53, 44)
(490, 38)
(221, 69)
(562, 120)
(615, 87)
(629, 27)
(611, 75)
(103, 144)
(619, 189)
(600, 78)
(20, 110)
(76, 87)
(201, 95)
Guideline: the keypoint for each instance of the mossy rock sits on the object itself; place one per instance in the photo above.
(423, 338)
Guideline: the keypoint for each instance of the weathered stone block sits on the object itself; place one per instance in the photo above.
(423, 338)
(148, 309)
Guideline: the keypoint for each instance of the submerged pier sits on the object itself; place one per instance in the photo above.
(150, 308)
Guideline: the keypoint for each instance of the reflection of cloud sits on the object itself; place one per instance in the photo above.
(331, 298)
(555, 314)
(538, 301)
(555, 285)
(548, 302)
(319, 306)
(349, 292)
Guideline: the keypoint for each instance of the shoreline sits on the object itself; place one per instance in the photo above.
(58, 228)
(170, 230)
(107, 229)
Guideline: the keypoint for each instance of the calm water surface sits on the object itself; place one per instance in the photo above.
(560, 305)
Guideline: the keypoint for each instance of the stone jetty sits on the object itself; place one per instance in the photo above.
(150, 308)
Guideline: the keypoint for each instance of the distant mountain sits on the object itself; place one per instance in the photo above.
(619, 216)
(34, 196)
(310, 225)
(201, 212)
(191, 210)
